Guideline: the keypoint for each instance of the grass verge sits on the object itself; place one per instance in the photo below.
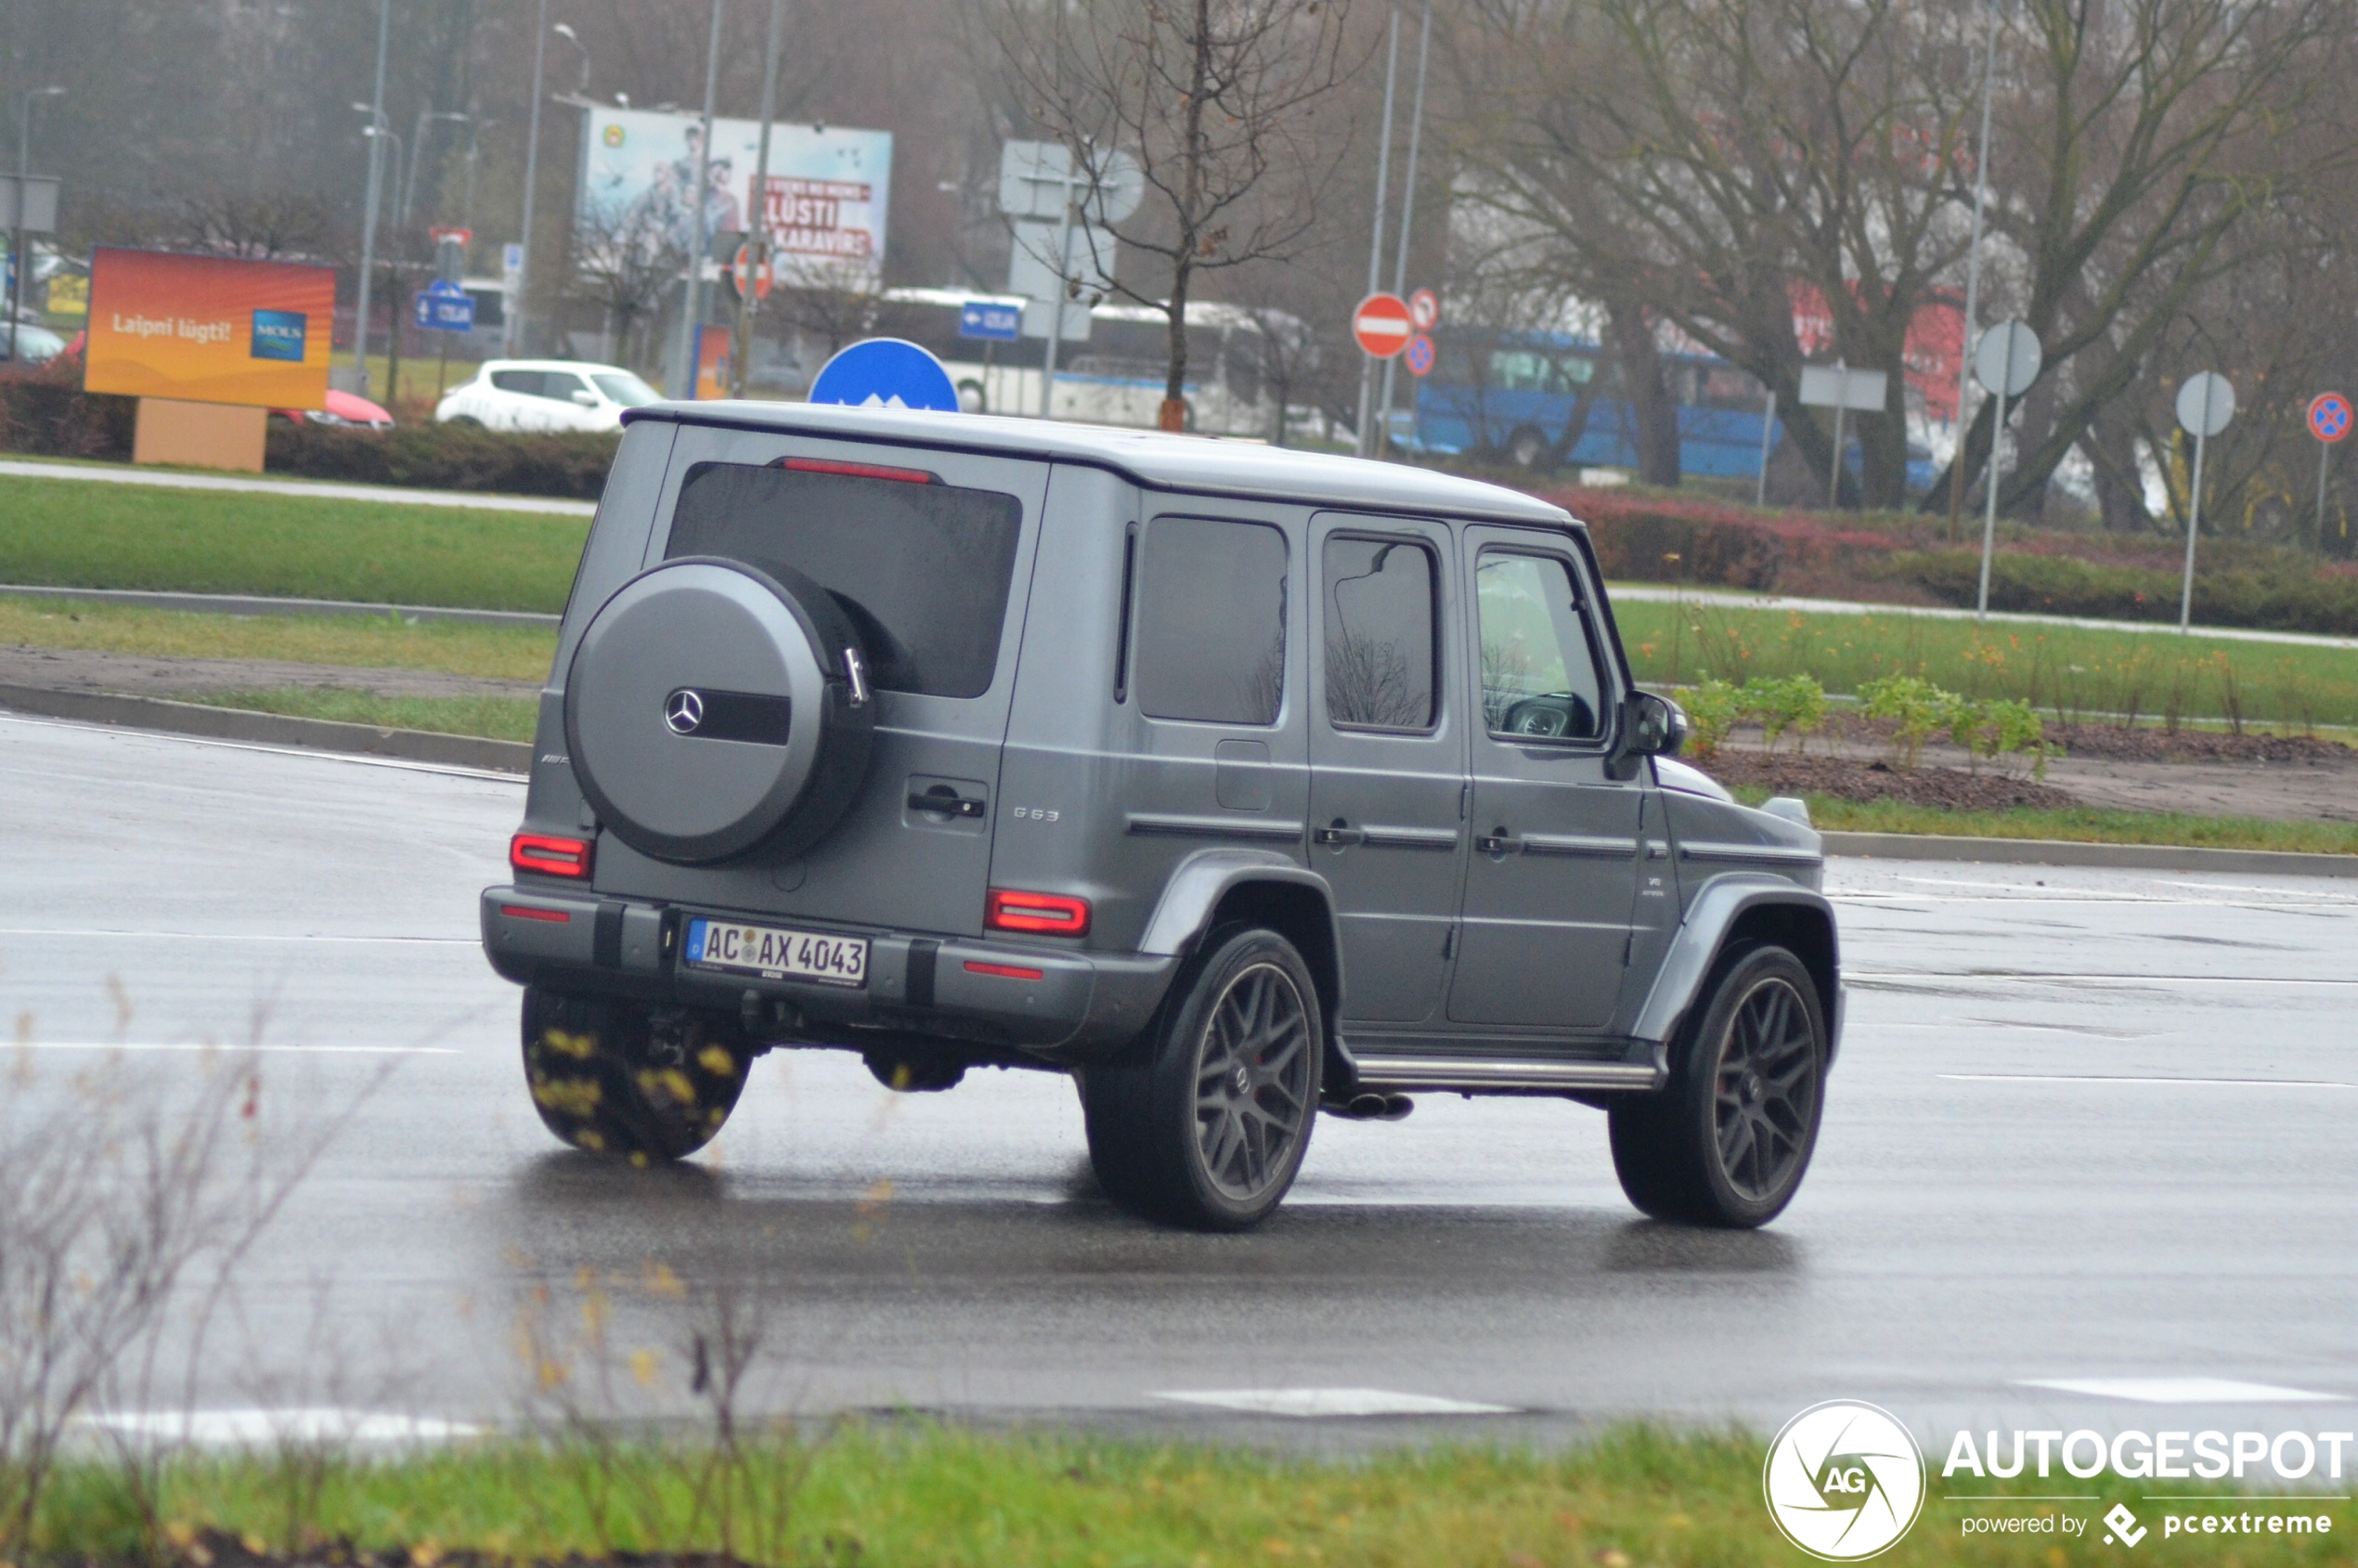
(2077, 674)
(2084, 825)
(499, 719)
(882, 1498)
(362, 641)
(75, 534)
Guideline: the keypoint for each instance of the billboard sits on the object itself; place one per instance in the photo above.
(829, 189)
(209, 329)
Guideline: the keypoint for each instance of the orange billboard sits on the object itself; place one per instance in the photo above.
(209, 329)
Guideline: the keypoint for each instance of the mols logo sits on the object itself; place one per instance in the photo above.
(1844, 1480)
(277, 335)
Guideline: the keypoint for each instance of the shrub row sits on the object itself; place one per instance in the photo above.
(1649, 539)
(55, 419)
(447, 457)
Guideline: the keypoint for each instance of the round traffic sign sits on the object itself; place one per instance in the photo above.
(2329, 417)
(741, 271)
(2007, 358)
(1424, 310)
(1419, 355)
(1380, 324)
(2206, 403)
(886, 373)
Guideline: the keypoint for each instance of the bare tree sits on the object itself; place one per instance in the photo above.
(624, 262)
(1216, 100)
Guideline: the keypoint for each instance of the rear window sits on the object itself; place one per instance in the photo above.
(922, 570)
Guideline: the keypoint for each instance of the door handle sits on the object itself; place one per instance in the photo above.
(1500, 842)
(1339, 835)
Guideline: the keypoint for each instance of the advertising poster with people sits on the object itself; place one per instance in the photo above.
(828, 191)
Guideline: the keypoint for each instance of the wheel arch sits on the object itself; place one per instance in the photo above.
(1739, 910)
(1214, 888)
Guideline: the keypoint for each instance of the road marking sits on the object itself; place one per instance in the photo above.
(1316, 1403)
(226, 936)
(1922, 976)
(2108, 1078)
(302, 489)
(212, 1045)
(301, 1424)
(2184, 1390)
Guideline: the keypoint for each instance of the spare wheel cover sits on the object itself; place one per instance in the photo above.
(695, 709)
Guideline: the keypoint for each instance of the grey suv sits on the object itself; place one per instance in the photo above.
(1239, 784)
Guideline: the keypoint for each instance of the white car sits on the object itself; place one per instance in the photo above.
(544, 394)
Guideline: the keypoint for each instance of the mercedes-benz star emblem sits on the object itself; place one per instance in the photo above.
(683, 711)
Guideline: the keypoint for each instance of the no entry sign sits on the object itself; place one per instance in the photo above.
(2329, 417)
(1382, 326)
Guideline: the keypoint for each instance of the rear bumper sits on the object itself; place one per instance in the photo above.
(1057, 1003)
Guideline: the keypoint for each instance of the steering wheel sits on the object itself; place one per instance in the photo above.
(1556, 716)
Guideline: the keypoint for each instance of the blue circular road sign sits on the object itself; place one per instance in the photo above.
(886, 373)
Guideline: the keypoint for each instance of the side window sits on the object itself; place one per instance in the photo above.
(1539, 676)
(1212, 621)
(1380, 617)
(527, 383)
(560, 386)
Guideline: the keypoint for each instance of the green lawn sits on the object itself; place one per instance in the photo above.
(365, 641)
(927, 1497)
(2069, 671)
(500, 719)
(79, 534)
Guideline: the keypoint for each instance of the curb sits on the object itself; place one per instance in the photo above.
(270, 729)
(264, 604)
(2058, 852)
(300, 489)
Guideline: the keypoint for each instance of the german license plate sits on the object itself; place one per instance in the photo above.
(776, 953)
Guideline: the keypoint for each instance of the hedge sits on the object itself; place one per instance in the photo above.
(57, 419)
(447, 457)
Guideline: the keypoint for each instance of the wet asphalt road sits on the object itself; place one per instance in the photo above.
(2086, 1125)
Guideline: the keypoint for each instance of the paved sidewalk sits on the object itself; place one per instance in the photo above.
(313, 488)
(1651, 593)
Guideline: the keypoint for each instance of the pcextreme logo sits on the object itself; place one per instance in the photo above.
(1844, 1480)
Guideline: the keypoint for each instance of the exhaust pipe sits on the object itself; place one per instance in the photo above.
(1372, 1107)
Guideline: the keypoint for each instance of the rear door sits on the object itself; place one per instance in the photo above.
(1552, 870)
(930, 554)
(1388, 758)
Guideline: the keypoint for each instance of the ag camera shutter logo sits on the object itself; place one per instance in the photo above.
(1844, 1480)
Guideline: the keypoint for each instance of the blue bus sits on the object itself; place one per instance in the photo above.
(1547, 399)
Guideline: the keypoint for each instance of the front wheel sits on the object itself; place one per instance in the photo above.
(1727, 1142)
(637, 1083)
(1207, 1127)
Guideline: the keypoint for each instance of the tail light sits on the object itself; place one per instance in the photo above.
(547, 856)
(1051, 914)
(858, 470)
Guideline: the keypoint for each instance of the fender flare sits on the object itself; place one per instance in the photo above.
(1199, 882)
(1697, 943)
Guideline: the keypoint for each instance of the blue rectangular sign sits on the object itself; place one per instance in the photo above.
(277, 335)
(452, 312)
(1000, 323)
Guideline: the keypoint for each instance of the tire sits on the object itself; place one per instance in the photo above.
(712, 708)
(1174, 1135)
(615, 1079)
(1727, 1142)
(467, 421)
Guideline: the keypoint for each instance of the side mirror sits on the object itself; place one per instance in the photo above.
(587, 399)
(1654, 726)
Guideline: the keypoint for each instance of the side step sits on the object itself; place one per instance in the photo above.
(1385, 1074)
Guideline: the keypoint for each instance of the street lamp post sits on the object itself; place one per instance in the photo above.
(418, 155)
(1972, 285)
(1407, 209)
(564, 30)
(531, 171)
(683, 375)
(375, 108)
(17, 254)
(758, 243)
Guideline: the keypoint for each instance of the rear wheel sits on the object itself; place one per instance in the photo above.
(1207, 1127)
(638, 1084)
(1727, 1140)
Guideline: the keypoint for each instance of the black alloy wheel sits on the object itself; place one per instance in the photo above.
(1728, 1140)
(1207, 1124)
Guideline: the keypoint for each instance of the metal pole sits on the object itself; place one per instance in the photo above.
(1972, 281)
(1374, 245)
(2323, 451)
(1407, 208)
(376, 186)
(1056, 306)
(1768, 433)
(758, 245)
(1833, 471)
(514, 334)
(20, 242)
(1989, 514)
(683, 378)
(2194, 515)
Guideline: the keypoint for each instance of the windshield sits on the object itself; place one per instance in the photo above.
(626, 389)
